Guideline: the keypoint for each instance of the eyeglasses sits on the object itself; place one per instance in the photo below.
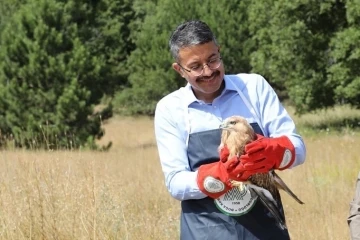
(198, 70)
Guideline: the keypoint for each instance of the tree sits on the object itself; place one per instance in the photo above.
(344, 68)
(50, 79)
(151, 76)
(292, 39)
(7, 9)
(110, 38)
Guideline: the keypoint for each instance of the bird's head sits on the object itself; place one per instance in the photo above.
(236, 133)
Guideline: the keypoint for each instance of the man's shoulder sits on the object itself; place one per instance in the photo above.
(172, 99)
(246, 77)
(171, 107)
(242, 80)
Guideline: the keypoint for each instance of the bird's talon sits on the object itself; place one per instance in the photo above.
(242, 187)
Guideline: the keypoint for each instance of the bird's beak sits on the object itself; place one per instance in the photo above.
(223, 126)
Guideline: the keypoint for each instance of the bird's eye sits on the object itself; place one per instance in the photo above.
(232, 122)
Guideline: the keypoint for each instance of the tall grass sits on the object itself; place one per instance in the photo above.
(120, 194)
(343, 119)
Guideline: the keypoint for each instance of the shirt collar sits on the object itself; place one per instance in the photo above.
(190, 97)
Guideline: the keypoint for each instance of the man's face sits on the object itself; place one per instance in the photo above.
(207, 86)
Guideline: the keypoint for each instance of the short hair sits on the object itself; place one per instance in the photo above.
(188, 34)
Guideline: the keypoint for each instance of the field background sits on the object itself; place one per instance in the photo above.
(121, 194)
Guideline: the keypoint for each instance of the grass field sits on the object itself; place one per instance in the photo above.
(120, 194)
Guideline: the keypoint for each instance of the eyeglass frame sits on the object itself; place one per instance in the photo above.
(203, 67)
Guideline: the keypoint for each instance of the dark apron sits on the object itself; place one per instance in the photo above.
(201, 219)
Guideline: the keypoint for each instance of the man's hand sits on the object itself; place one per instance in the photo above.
(261, 156)
(213, 178)
(269, 153)
(224, 154)
(265, 154)
(235, 172)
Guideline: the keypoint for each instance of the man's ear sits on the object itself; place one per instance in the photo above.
(177, 68)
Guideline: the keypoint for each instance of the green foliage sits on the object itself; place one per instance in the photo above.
(111, 39)
(344, 72)
(340, 119)
(151, 76)
(293, 47)
(60, 58)
(7, 9)
(49, 78)
(297, 45)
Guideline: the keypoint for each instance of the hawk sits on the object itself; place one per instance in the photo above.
(236, 133)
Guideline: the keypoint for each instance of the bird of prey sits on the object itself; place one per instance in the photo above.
(236, 133)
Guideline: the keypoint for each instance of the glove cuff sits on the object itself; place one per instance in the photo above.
(213, 180)
(289, 153)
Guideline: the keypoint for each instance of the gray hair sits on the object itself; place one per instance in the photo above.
(188, 34)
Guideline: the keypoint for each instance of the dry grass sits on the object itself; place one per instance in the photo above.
(120, 194)
(337, 119)
(326, 183)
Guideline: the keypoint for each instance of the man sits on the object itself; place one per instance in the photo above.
(354, 217)
(188, 135)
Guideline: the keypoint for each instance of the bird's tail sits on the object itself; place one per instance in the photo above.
(269, 202)
(281, 184)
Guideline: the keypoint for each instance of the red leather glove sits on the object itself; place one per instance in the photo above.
(224, 154)
(265, 154)
(237, 173)
(213, 178)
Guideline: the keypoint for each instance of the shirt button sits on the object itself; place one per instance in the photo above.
(214, 106)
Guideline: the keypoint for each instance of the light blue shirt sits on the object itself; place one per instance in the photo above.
(181, 113)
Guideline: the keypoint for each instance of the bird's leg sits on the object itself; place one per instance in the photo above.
(240, 185)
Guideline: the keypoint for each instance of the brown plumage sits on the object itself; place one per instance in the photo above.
(236, 133)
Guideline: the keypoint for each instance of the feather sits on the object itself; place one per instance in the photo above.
(270, 203)
(236, 133)
(281, 185)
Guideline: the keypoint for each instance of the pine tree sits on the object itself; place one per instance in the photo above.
(150, 74)
(50, 79)
(292, 39)
(344, 69)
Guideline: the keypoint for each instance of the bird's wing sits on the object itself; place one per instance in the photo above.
(281, 184)
(269, 202)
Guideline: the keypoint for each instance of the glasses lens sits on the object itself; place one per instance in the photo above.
(215, 63)
(197, 73)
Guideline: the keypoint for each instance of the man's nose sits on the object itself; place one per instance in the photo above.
(207, 71)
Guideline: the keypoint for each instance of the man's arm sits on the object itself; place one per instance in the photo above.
(179, 179)
(276, 120)
(354, 216)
